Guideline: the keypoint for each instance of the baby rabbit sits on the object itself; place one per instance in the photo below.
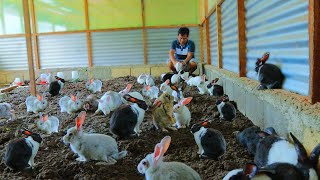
(211, 142)
(146, 79)
(141, 78)
(70, 105)
(48, 124)
(154, 168)
(55, 87)
(226, 109)
(91, 103)
(6, 111)
(269, 75)
(94, 85)
(20, 153)
(194, 81)
(93, 146)
(215, 89)
(181, 113)
(125, 121)
(150, 91)
(109, 102)
(173, 90)
(162, 112)
(202, 86)
(36, 104)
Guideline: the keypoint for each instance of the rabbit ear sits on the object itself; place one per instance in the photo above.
(108, 99)
(173, 87)
(262, 134)
(39, 97)
(167, 81)
(45, 118)
(147, 88)
(215, 80)
(160, 149)
(302, 153)
(314, 156)
(203, 77)
(185, 101)
(157, 103)
(265, 57)
(91, 80)
(128, 88)
(26, 132)
(73, 98)
(80, 119)
(250, 170)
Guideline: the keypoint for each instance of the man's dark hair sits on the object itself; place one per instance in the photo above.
(183, 31)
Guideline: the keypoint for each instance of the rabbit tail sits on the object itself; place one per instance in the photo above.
(120, 155)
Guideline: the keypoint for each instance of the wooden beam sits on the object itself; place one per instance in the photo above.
(219, 34)
(172, 26)
(26, 16)
(35, 37)
(314, 50)
(242, 38)
(12, 35)
(144, 33)
(86, 10)
(61, 32)
(211, 12)
(208, 41)
(206, 8)
(201, 45)
(8, 89)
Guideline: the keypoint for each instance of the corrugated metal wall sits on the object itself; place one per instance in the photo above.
(159, 43)
(13, 54)
(62, 51)
(117, 48)
(229, 28)
(281, 28)
(213, 39)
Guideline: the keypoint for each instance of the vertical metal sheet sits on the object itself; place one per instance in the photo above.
(117, 48)
(205, 44)
(229, 28)
(13, 54)
(159, 43)
(281, 28)
(62, 51)
(213, 39)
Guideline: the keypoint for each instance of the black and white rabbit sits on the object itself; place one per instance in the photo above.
(269, 75)
(214, 88)
(20, 153)
(55, 87)
(226, 108)
(125, 121)
(210, 141)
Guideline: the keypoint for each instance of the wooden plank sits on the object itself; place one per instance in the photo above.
(26, 16)
(12, 35)
(242, 38)
(208, 41)
(202, 21)
(201, 45)
(144, 33)
(220, 2)
(8, 89)
(219, 34)
(86, 11)
(206, 8)
(314, 50)
(172, 26)
(211, 12)
(61, 32)
(115, 29)
(35, 37)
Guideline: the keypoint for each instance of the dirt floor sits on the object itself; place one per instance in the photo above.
(56, 160)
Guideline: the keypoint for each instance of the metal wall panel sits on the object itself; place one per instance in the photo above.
(213, 39)
(117, 48)
(62, 51)
(205, 44)
(13, 54)
(159, 43)
(281, 28)
(229, 28)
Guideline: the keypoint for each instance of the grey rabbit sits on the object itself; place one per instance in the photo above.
(226, 108)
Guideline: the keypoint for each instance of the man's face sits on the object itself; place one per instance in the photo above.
(182, 39)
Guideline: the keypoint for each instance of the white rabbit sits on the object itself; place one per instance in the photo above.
(36, 104)
(6, 111)
(92, 146)
(141, 79)
(181, 113)
(154, 168)
(70, 105)
(94, 85)
(48, 124)
(49, 77)
(105, 105)
(194, 81)
(133, 94)
(168, 88)
(203, 86)
(149, 80)
(178, 66)
(150, 92)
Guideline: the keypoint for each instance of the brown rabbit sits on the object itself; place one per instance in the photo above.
(162, 112)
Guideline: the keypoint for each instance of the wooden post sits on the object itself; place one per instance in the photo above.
(86, 10)
(35, 36)
(201, 31)
(242, 38)
(26, 16)
(144, 33)
(219, 34)
(314, 50)
(207, 32)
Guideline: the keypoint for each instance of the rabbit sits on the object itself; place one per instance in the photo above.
(274, 149)
(149, 80)
(6, 111)
(36, 104)
(283, 171)
(91, 103)
(70, 105)
(20, 153)
(227, 109)
(215, 89)
(55, 87)
(181, 113)
(92, 146)
(177, 78)
(154, 168)
(202, 86)
(173, 90)
(109, 102)
(141, 79)
(211, 142)
(249, 138)
(94, 85)
(151, 92)
(125, 121)
(166, 76)
(269, 75)
(162, 112)
(48, 124)
(49, 77)
(194, 81)
(133, 94)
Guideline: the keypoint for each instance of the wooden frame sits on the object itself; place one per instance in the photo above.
(86, 11)
(219, 35)
(35, 37)
(314, 50)
(144, 33)
(242, 38)
(207, 32)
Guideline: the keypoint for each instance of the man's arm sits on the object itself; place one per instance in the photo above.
(172, 57)
(190, 53)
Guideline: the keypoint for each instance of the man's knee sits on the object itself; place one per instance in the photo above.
(192, 66)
